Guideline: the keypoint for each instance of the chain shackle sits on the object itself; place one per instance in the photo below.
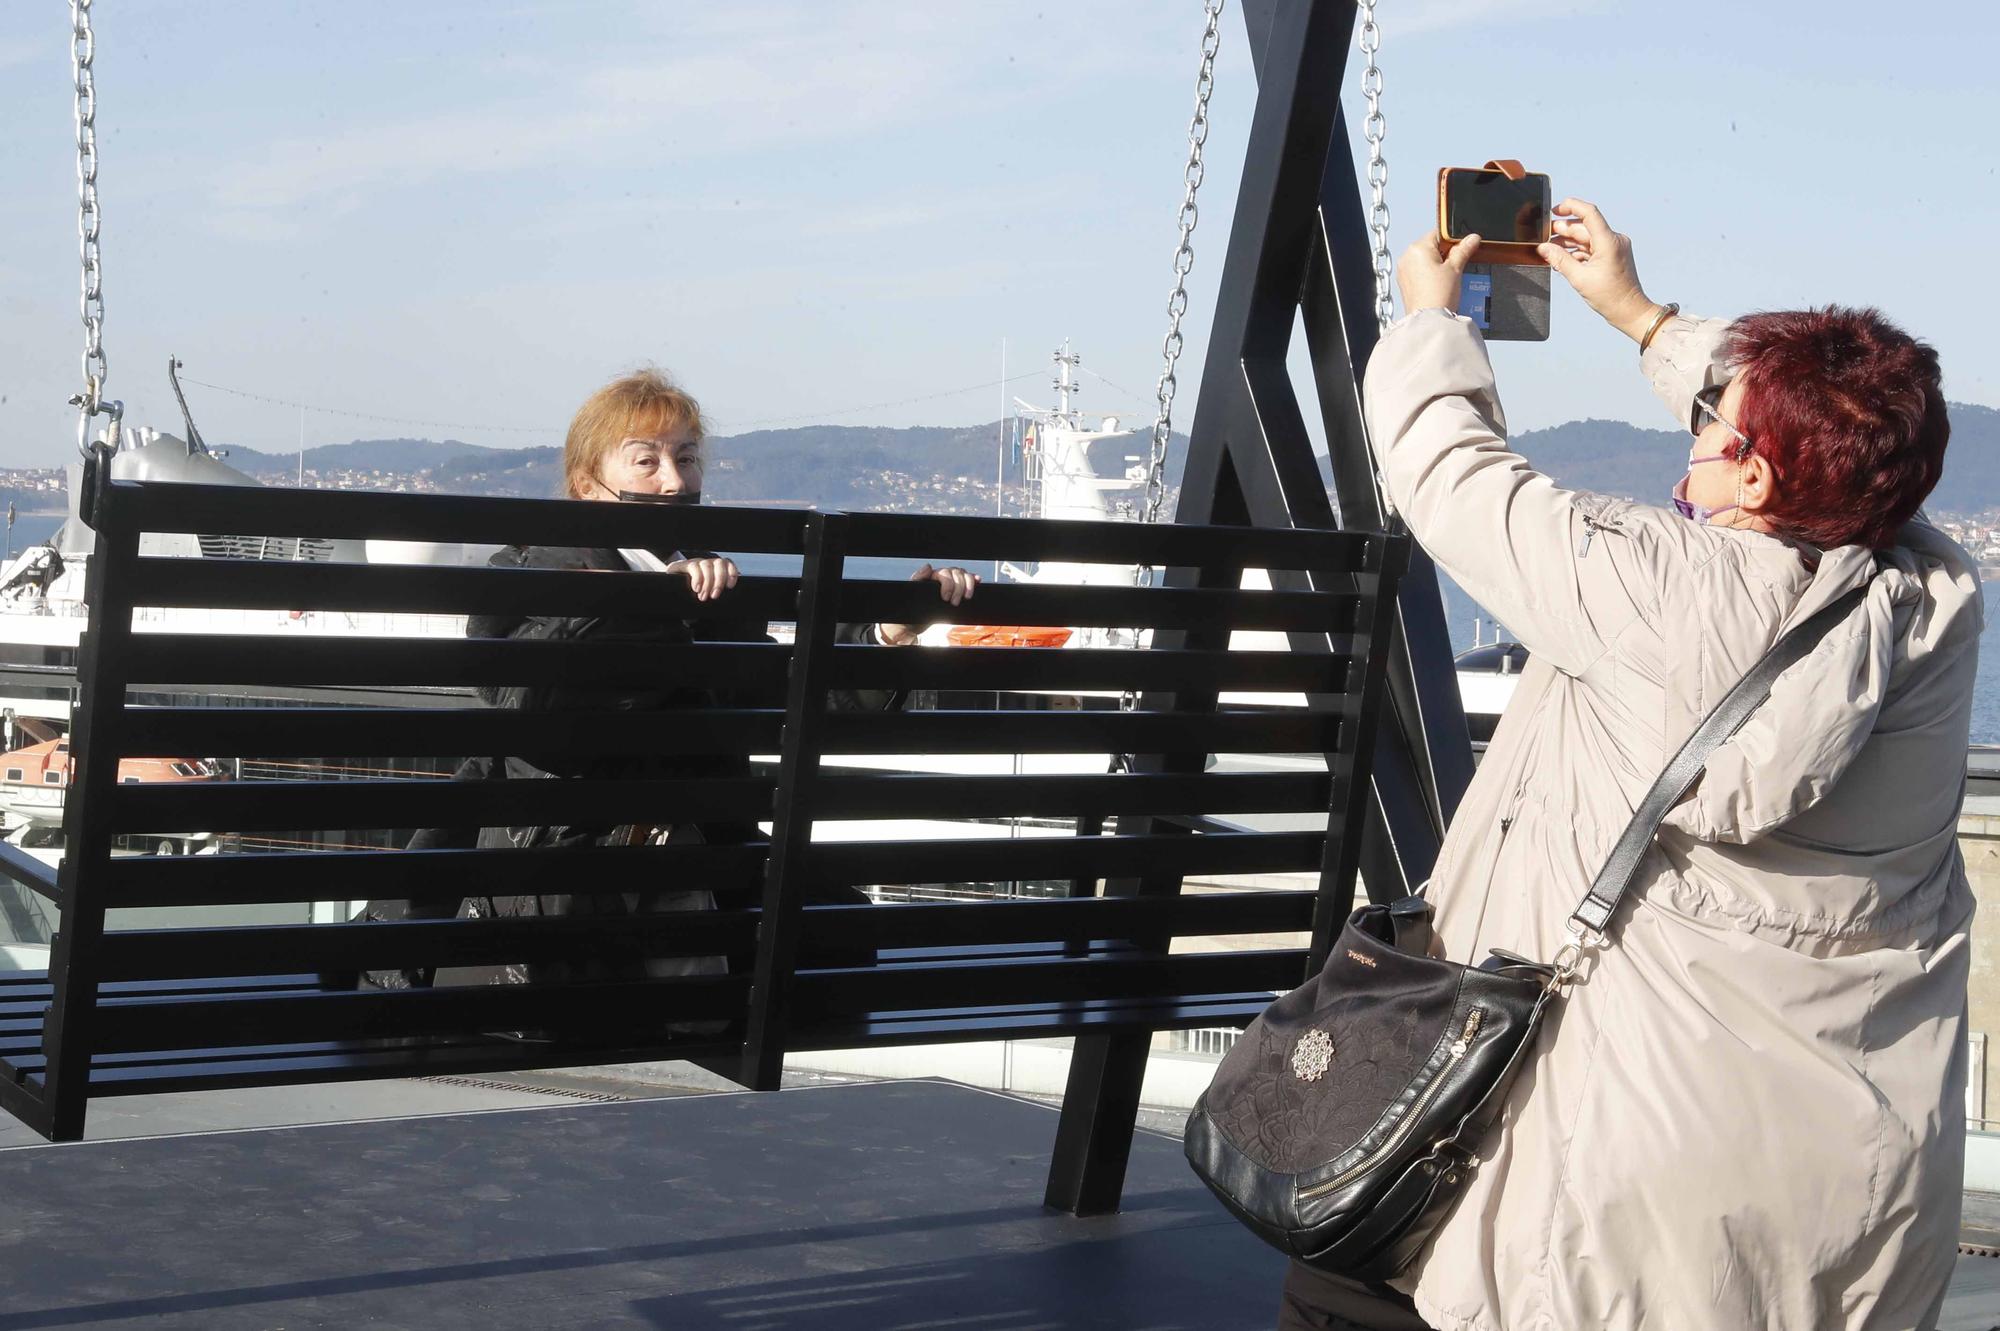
(89, 220)
(1374, 128)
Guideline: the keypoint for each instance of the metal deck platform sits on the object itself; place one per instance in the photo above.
(885, 1205)
(881, 1206)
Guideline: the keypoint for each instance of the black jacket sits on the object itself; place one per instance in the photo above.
(583, 695)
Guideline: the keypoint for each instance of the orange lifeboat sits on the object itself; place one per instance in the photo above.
(1007, 635)
(33, 779)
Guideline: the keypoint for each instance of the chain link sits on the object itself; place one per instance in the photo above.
(1374, 129)
(1177, 303)
(83, 56)
(1177, 299)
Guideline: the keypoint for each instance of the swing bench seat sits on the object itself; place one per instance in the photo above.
(1096, 950)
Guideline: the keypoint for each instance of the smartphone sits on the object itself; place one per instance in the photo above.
(1509, 215)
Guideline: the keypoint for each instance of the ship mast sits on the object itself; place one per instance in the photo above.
(1065, 385)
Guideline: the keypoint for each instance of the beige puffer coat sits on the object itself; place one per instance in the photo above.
(1749, 1113)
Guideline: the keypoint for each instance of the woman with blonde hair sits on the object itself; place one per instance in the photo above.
(639, 437)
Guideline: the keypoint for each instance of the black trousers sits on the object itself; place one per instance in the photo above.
(1316, 1301)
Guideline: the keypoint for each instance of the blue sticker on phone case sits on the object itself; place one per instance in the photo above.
(1475, 299)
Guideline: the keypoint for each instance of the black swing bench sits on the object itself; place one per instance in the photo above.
(136, 1011)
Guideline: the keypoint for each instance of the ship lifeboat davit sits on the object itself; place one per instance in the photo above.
(1007, 635)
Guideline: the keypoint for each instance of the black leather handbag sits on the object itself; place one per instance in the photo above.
(1345, 1122)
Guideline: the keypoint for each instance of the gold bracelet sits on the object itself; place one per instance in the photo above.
(1667, 311)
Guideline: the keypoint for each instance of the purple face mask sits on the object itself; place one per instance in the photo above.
(1687, 508)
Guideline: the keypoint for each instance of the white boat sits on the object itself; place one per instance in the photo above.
(1488, 673)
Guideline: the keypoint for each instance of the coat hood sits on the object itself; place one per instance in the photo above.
(1882, 669)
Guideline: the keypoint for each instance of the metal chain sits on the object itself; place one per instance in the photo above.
(1177, 303)
(1177, 299)
(83, 54)
(1374, 129)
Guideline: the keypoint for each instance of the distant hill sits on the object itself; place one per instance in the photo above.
(830, 466)
(834, 465)
(398, 455)
(839, 466)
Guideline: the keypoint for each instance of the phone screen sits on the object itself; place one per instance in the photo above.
(1496, 208)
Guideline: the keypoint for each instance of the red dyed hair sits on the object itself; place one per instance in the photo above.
(1849, 411)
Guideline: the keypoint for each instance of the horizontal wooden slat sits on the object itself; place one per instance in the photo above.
(328, 1061)
(166, 954)
(1067, 796)
(887, 989)
(163, 507)
(274, 511)
(919, 536)
(1085, 668)
(248, 584)
(1293, 730)
(264, 806)
(425, 589)
(222, 985)
(603, 939)
(870, 600)
(609, 1010)
(133, 1060)
(199, 658)
(338, 732)
(433, 876)
(1026, 1021)
(351, 732)
(968, 924)
(1016, 858)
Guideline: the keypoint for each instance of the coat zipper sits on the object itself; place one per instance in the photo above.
(1591, 526)
(1459, 1048)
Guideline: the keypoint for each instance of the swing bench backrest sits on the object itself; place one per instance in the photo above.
(338, 658)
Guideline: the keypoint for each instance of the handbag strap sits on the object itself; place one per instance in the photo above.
(1608, 889)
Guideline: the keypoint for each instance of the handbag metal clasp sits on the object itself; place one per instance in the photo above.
(1570, 957)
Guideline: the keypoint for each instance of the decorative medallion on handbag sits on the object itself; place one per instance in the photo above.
(1312, 1056)
(1346, 1121)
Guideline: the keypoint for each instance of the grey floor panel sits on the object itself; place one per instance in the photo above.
(884, 1206)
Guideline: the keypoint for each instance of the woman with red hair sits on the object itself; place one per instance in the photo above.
(1750, 1111)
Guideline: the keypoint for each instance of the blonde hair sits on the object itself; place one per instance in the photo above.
(644, 402)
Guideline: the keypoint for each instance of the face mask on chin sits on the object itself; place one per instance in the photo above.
(680, 497)
(1692, 511)
(1701, 513)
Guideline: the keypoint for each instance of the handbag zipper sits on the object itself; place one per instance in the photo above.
(1459, 1048)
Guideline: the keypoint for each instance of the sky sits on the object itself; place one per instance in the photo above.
(827, 211)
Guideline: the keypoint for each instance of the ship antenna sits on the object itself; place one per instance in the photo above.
(195, 443)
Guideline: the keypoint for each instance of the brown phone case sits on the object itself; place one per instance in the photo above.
(1516, 252)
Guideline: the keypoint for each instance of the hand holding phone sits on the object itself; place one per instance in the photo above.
(1429, 277)
(1597, 261)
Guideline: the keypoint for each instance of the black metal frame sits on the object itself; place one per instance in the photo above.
(1298, 249)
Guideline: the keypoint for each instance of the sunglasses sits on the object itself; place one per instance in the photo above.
(1707, 408)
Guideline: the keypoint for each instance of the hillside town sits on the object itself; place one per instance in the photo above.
(34, 490)
(43, 489)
